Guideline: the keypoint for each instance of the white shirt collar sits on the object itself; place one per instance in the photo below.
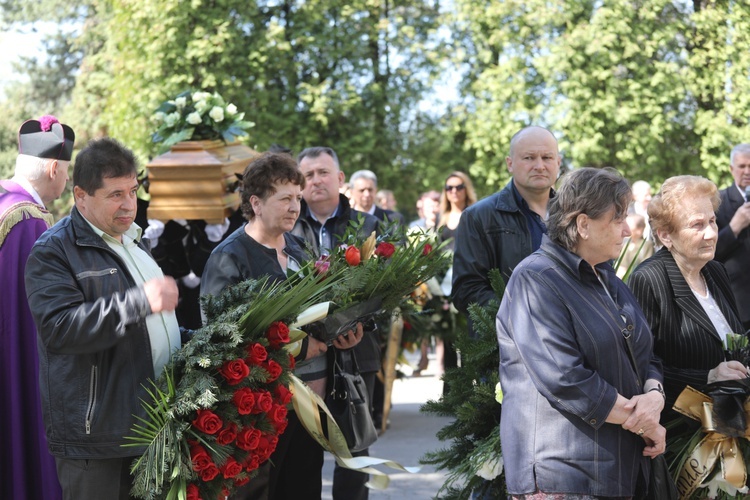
(26, 185)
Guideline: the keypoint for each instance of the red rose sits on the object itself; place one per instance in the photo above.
(266, 446)
(244, 400)
(208, 422)
(228, 433)
(280, 426)
(241, 481)
(407, 325)
(209, 473)
(278, 333)
(256, 354)
(292, 362)
(274, 370)
(263, 402)
(248, 438)
(234, 371)
(427, 249)
(282, 394)
(352, 256)
(224, 493)
(231, 468)
(192, 492)
(385, 250)
(252, 462)
(278, 413)
(200, 457)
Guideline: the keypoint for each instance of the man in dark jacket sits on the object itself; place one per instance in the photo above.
(364, 184)
(501, 230)
(324, 218)
(105, 320)
(733, 219)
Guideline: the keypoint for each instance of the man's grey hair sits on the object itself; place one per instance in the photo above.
(31, 168)
(316, 151)
(364, 174)
(739, 149)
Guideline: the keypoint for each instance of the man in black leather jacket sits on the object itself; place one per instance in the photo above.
(324, 217)
(501, 230)
(105, 320)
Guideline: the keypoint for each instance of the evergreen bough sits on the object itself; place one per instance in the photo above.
(474, 433)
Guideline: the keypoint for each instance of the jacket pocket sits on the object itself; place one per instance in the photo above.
(94, 274)
(91, 405)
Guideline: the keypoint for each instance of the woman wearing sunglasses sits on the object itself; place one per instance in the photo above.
(458, 194)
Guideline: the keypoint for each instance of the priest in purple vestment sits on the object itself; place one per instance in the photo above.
(45, 147)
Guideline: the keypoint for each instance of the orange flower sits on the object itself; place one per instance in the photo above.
(352, 255)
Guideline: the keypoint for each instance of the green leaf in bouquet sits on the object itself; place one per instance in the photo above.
(632, 263)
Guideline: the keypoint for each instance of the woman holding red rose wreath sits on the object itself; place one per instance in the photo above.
(271, 193)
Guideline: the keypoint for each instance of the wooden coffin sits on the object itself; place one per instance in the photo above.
(195, 180)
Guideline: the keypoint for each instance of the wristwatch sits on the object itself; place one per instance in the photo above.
(660, 390)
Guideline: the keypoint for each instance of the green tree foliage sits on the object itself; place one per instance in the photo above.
(623, 101)
(346, 74)
(499, 48)
(719, 62)
(654, 87)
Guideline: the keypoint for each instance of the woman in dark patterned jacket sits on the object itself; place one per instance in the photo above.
(684, 293)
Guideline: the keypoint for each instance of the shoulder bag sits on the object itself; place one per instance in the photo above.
(348, 402)
(661, 486)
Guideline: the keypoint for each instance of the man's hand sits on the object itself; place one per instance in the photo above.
(740, 219)
(349, 339)
(162, 294)
(315, 348)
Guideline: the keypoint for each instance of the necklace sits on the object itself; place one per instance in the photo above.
(705, 287)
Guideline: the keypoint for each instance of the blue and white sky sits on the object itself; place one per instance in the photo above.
(14, 44)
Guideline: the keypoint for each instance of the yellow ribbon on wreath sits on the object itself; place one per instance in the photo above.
(712, 448)
(309, 405)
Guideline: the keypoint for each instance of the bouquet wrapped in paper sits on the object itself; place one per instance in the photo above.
(712, 462)
(382, 270)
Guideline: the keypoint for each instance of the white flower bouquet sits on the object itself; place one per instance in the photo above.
(196, 116)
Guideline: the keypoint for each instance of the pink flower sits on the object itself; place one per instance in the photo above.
(321, 266)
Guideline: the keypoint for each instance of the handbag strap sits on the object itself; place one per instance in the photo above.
(628, 336)
(340, 359)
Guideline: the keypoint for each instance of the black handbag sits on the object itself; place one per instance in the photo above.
(348, 402)
(661, 486)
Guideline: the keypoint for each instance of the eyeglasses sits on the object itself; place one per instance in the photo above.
(457, 187)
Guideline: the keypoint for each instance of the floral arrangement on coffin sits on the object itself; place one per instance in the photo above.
(382, 272)
(712, 461)
(196, 116)
(218, 408)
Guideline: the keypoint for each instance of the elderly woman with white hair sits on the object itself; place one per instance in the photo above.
(684, 293)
